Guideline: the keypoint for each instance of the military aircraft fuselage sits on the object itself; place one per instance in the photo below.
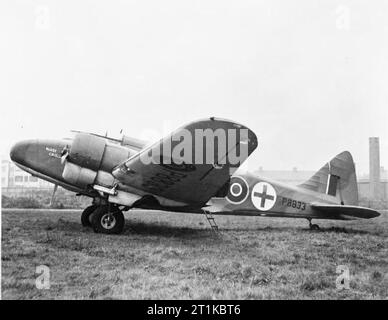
(41, 158)
(94, 158)
(44, 159)
(266, 197)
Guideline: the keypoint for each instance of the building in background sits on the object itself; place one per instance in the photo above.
(293, 176)
(365, 191)
(375, 186)
(12, 177)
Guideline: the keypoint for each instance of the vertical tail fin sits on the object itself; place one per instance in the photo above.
(336, 178)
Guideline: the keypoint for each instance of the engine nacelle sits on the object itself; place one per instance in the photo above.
(83, 177)
(78, 176)
(90, 160)
(93, 152)
(87, 151)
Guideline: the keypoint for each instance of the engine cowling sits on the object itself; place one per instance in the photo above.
(87, 151)
(78, 175)
(90, 160)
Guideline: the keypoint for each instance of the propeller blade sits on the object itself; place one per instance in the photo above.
(63, 158)
(64, 154)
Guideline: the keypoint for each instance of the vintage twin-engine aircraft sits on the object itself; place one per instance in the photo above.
(172, 175)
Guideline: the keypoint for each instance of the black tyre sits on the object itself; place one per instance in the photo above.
(107, 222)
(85, 216)
(314, 227)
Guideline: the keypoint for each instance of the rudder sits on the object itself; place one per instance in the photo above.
(336, 178)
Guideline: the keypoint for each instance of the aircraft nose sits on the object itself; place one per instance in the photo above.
(21, 150)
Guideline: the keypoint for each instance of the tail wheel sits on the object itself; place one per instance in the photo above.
(314, 227)
(86, 216)
(108, 220)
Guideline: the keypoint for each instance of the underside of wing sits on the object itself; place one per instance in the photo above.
(345, 212)
(192, 164)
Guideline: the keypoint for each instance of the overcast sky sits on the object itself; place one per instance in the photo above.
(309, 77)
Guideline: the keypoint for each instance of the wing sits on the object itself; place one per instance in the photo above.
(191, 164)
(346, 212)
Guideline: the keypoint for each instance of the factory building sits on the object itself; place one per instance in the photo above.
(12, 177)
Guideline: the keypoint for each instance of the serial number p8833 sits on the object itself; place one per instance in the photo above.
(294, 203)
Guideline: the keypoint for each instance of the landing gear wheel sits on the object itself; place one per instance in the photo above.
(108, 220)
(86, 216)
(314, 227)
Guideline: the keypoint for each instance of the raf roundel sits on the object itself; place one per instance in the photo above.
(238, 190)
(263, 196)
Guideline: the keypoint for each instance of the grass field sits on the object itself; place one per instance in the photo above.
(176, 256)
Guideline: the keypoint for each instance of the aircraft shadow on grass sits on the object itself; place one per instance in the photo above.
(165, 230)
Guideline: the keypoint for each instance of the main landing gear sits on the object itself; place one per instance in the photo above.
(314, 227)
(108, 219)
(86, 214)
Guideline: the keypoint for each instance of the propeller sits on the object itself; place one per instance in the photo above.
(64, 154)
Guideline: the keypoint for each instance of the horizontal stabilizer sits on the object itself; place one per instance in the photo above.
(346, 211)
